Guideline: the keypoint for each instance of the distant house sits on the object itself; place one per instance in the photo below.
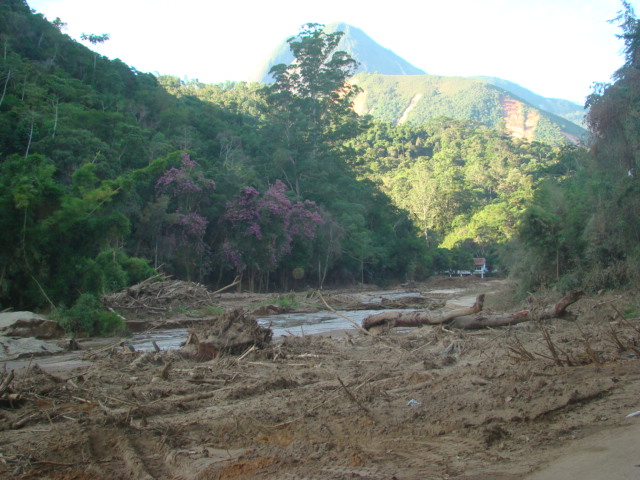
(480, 266)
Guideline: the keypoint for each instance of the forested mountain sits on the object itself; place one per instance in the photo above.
(395, 91)
(371, 56)
(108, 174)
(416, 99)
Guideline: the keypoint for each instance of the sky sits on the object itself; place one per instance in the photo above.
(556, 48)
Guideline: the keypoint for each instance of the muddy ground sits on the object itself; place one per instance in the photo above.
(431, 403)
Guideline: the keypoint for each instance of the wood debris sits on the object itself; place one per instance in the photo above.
(159, 295)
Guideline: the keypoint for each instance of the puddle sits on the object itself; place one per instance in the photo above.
(53, 363)
(169, 339)
(299, 324)
(287, 324)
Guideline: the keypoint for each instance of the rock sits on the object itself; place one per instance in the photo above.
(12, 348)
(28, 324)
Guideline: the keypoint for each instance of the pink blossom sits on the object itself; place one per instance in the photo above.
(262, 228)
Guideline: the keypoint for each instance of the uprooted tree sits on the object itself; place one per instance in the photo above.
(461, 318)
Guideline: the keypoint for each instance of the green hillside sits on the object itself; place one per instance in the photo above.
(417, 99)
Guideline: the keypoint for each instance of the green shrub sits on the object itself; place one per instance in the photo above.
(113, 270)
(110, 263)
(137, 269)
(87, 316)
(287, 301)
(110, 324)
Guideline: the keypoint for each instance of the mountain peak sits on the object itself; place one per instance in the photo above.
(371, 56)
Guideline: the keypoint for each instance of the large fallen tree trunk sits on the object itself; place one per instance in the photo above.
(419, 318)
(455, 318)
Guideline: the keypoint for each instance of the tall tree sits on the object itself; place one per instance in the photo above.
(312, 103)
(613, 233)
(94, 40)
(262, 230)
(185, 228)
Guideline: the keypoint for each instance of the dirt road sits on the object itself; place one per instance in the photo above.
(428, 404)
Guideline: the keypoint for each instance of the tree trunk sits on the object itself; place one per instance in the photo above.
(26, 153)
(454, 318)
(419, 318)
(4, 90)
(56, 103)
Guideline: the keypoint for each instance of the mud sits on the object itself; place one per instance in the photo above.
(428, 403)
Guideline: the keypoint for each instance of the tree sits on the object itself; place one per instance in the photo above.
(185, 228)
(60, 25)
(28, 195)
(262, 230)
(613, 230)
(106, 135)
(613, 113)
(312, 102)
(95, 40)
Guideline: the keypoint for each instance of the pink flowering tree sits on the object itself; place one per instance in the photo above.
(184, 228)
(263, 230)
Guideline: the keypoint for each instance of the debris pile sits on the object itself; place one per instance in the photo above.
(158, 295)
(233, 332)
(431, 403)
(412, 302)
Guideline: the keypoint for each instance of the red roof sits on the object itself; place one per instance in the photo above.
(479, 261)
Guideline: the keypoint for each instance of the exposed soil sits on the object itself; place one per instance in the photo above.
(519, 123)
(431, 403)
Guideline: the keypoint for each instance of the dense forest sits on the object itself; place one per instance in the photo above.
(583, 229)
(108, 175)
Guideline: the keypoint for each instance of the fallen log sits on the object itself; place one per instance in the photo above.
(419, 318)
(455, 317)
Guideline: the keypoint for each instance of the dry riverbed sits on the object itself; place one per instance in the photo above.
(422, 404)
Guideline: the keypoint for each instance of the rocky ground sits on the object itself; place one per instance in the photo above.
(431, 403)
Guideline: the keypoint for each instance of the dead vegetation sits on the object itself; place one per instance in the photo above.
(159, 295)
(431, 403)
(231, 333)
